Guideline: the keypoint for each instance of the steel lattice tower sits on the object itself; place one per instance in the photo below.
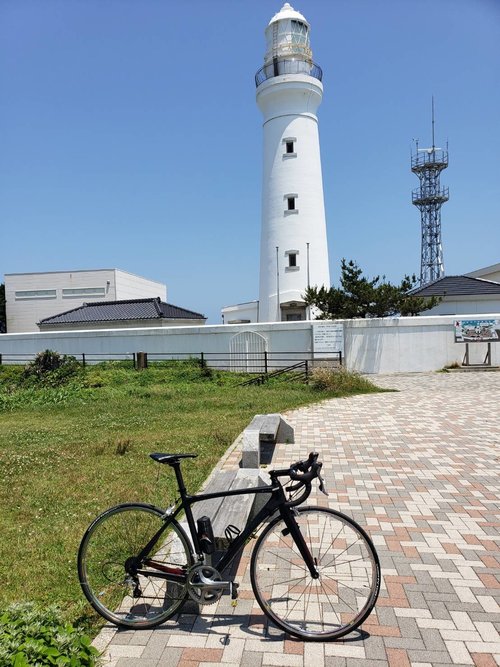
(427, 164)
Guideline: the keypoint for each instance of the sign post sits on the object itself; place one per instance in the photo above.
(328, 339)
(477, 331)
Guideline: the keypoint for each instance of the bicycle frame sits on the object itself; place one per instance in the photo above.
(277, 501)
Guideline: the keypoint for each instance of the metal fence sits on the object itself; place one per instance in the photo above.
(246, 362)
(291, 66)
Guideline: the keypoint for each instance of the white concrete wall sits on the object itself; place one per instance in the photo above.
(410, 344)
(24, 313)
(282, 337)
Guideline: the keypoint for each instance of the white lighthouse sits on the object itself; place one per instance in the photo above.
(294, 251)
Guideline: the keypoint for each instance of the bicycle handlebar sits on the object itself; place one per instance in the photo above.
(302, 472)
(309, 468)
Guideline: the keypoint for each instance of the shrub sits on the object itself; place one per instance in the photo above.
(30, 635)
(10, 377)
(50, 369)
(340, 380)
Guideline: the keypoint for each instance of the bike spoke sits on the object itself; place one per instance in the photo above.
(314, 608)
(142, 600)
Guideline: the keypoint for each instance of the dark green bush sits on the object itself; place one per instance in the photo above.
(50, 369)
(30, 636)
(10, 377)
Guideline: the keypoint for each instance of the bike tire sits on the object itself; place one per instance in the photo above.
(119, 534)
(340, 599)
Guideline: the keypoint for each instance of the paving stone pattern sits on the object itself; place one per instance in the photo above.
(420, 470)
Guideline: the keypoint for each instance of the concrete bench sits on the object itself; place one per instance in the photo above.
(236, 510)
(262, 432)
(233, 510)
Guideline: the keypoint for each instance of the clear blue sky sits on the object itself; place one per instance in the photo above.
(130, 136)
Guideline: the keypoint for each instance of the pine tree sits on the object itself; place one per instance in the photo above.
(359, 296)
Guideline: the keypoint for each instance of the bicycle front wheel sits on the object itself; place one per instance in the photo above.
(107, 569)
(349, 575)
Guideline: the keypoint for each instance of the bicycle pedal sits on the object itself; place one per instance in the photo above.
(234, 603)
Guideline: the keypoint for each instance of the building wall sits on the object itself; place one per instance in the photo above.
(473, 305)
(241, 312)
(132, 324)
(65, 292)
(487, 273)
(129, 286)
(410, 344)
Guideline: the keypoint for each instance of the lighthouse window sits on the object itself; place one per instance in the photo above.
(300, 35)
(291, 203)
(291, 256)
(289, 147)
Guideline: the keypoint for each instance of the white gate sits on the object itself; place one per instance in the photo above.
(248, 352)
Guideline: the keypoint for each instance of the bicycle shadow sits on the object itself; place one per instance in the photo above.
(232, 625)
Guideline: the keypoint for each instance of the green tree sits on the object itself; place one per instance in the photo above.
(359, 296)
(3, 314)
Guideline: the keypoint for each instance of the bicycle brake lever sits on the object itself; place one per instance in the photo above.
(322, 486)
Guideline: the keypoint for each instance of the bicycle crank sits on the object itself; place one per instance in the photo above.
(205, 585)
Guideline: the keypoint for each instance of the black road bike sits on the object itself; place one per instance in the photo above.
(314, 571)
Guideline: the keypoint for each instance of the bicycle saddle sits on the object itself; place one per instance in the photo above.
(171, 458)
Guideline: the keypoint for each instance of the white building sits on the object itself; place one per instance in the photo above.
(123, 314)
(31, 297)
(294, 250)
(487, 273)
(461, 295)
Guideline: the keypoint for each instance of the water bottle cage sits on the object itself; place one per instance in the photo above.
(231, 533)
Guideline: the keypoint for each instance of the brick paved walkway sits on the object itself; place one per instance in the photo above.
(418, 468)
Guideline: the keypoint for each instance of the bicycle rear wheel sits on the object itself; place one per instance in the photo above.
(349, 575)
(104, 559)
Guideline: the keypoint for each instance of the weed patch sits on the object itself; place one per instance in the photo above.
(30, 635)
(341, 382)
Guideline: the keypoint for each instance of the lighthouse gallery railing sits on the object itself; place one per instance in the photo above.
(294, 66)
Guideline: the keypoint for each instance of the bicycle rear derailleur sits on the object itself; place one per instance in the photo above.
(205, 585)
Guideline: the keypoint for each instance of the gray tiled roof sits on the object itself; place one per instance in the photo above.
(457, 286)
(113, 311)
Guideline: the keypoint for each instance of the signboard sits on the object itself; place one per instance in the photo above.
(328, 338)
(477, 331)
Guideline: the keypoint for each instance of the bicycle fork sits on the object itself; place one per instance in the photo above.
(292, 528)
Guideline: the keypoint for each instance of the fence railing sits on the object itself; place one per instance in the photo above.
(240, 362)
(290, 66)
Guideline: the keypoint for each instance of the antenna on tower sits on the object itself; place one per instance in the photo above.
(433, 144)
(427, 164)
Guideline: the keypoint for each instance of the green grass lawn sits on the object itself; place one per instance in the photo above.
(67, 453)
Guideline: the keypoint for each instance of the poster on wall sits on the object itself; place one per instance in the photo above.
(477, 331)
(328, 338)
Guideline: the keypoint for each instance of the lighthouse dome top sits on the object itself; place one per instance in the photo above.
(288, 12)
(287, 36)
